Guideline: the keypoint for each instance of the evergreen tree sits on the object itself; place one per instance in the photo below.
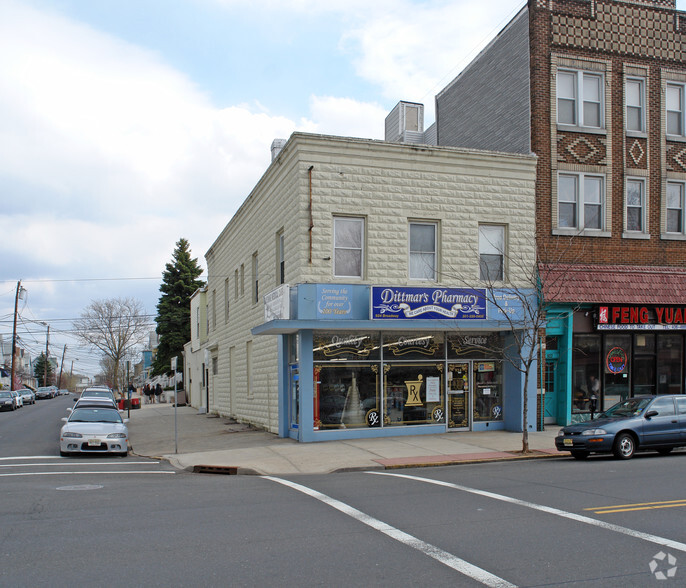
(179, 282)
(39, 370)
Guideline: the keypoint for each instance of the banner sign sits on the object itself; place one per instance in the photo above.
(427, 303)
(642, 317)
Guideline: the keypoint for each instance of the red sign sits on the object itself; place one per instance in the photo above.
(616, 360)
(641, 315)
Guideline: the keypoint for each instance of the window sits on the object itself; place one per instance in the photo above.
(348, 243)
(580, 199)
(675, 109)
(235, 284)
(226, 300)
(635, 205)
(580, 99)
(281, 257)
(255, 279)
(214, 310)
(675, 207)
(491, 253)
(242, 279)
(635, 105)
(423, 251)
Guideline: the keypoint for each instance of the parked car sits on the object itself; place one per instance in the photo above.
(18, 398)
(8, 401)
(98, 393)
(635, 424)
(27, 396)
(44, 392)
(94, 430)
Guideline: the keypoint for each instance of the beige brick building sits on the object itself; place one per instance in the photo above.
(331, 224)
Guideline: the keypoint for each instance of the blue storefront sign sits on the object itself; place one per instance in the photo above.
(334, 301)
(428, 303)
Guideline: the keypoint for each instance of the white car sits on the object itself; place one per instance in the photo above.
(27, 396)
(94, 430)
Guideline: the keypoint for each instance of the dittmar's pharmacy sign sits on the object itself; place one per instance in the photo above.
(427, 303)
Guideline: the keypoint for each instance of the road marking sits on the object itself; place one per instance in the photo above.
(82, 473)
(637, 506)
(662, 541)
(448, 559)
(73, 463)
(30, 457)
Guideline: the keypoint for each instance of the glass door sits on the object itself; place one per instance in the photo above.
(459, 395)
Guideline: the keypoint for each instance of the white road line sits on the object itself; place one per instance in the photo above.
(73, 463)
(30, 457)
(432, 551)
(82, 473)
(662, 541)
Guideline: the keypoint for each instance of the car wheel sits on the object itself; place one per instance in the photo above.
(665, 450)
(624, 446)
(579, 454)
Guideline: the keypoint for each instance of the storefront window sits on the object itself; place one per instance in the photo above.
(346, 395)
(488, 391)
(616, 369)
(669, 354)
(586, 382)
(413, 394)
(644, 364)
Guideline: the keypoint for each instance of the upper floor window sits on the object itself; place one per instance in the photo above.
(255, 279)
(581, 200)
(281, 258)
(226, 300)
(348, 247)
(635, 205)
(675, 109)
(675, 207)
(635, 105)
(422, 251)
(580, 99)
(491, 253)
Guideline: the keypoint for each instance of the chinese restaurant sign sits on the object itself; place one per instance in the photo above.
(428, 303)
(641, 317)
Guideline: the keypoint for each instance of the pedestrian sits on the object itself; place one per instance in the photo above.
(594, 396)
(146, 393)
(158, 392)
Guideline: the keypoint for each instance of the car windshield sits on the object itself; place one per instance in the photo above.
(629, 407)
(96, 394)
(5, 395)
(94, 415)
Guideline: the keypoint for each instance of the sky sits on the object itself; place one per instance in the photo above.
(126, 125)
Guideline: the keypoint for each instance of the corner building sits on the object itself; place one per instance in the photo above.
(596, 89)
(344, 297)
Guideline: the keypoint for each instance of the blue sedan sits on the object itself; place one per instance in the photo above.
(639, 423)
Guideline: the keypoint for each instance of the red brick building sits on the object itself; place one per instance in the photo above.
(597, 90)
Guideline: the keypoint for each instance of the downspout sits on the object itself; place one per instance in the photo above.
(309, 172)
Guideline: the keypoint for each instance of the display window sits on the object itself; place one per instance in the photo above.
(413, 346)
(346, 395)
(346, 346)
(413, 394)
(488, 391)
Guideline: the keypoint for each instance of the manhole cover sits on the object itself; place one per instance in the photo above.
(81, 487)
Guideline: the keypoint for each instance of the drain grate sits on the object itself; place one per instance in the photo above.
(208, 469)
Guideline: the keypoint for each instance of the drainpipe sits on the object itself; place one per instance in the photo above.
(309, 172)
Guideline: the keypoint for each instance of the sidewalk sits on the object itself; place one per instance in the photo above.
(212, 444)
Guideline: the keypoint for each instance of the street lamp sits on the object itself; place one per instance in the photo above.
(19, 296)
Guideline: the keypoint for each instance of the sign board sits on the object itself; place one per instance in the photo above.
(173, 363)
(427, 303)
(277, 304)
(334, 301)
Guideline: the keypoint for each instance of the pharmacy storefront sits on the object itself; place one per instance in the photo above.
(366, 361)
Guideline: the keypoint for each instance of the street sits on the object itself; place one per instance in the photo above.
(122, 522)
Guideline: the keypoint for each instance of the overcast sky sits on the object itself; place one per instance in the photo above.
(128, 124)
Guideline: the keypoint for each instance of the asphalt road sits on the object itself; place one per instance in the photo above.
(124, 522)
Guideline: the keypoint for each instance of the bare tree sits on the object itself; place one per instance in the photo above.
(114, 326)
(524, 308)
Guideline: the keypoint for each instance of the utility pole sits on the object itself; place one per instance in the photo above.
(59, 383)
(47, 341)
(19, 294)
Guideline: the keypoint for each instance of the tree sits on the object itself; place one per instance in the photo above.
(179, 282)
(39, 370)
(113, 326)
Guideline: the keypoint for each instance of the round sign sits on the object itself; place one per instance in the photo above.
(616, 360)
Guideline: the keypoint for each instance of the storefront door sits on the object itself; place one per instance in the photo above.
(294, 396)
(459, 395)
(551, 400)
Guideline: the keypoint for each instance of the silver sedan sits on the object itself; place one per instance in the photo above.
(94, 430)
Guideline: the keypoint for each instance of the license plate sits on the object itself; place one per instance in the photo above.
(568, 441)
(94, 442)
